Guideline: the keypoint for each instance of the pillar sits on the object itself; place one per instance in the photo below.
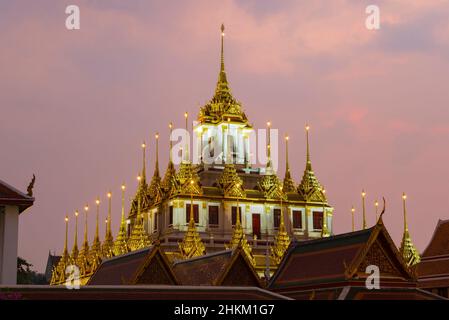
(9, 232)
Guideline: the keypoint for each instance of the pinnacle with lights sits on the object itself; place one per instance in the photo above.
(408, 250)
(159, 210)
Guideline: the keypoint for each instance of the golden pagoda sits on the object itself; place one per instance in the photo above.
(220, 172)
(407, 249)
(192, 245)
(108, 243)
(139, 238)
(238, 239)
(288, 183)
(58, 272)
(82, 260)
(95, 254)
(281, 240)
(74, 254)
(121, 241)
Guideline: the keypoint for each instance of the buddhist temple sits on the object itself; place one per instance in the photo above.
(215, 219)
(211, 201)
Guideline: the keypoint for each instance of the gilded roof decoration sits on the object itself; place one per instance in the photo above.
(230, 182)
(271, 186)
(222, 105)
(192, 245)
(182, 182)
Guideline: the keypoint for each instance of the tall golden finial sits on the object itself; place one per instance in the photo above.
(86, 209)
(170, 171)
(74, 254)
(65, 251)
(123, 187)
(309, 163)
(120, 244)
(109, 239)
(287, 166)
(156, 136)
(407, 249)
(139, 238)
(170, 155)
(282, 239)
(310, 188)
(109, 213)
(97, 234)
(86, 242)
(58, 272)
(404, 197)
(95, 250)
(352, 214)
(269, 164)
(238, 235)
(186, 155)
(143, 145)
(192, 245)
(363, 210)
(154, 189)
(324, 228)
(289, 183)
(222, 68)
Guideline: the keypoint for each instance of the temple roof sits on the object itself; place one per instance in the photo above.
(433, 270)
(340, 258)
(145, 266)
(218, 268)
(439, 244)
(11, 196)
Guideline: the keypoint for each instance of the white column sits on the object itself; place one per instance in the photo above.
(9, 232)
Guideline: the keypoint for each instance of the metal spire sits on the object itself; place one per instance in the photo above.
(75, 244)
(65, 252)
(363, 209)
(407, 249)
(309, 163)
(109, 232)
(404, 197)
(222, 68)
(143, 163)
(86, 209)
(97, 235)
(289, 184)
(352, 213)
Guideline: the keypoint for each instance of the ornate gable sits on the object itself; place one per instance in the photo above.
(187, 180)
(230, 183)
(271, 187)
(380, 251)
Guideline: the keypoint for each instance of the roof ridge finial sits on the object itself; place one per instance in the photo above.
(75, 242)
(65, 252)
(407, 248)
(404, 197)
(269, 166)
(86, 209)
(170, 156)
(309, 163)
(289, 184)
(222, 68)
(156, 167)
(143, 162)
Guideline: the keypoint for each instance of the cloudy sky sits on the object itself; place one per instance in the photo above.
(75, 105)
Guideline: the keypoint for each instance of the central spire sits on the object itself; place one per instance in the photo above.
(222, 83)
(222, 105)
